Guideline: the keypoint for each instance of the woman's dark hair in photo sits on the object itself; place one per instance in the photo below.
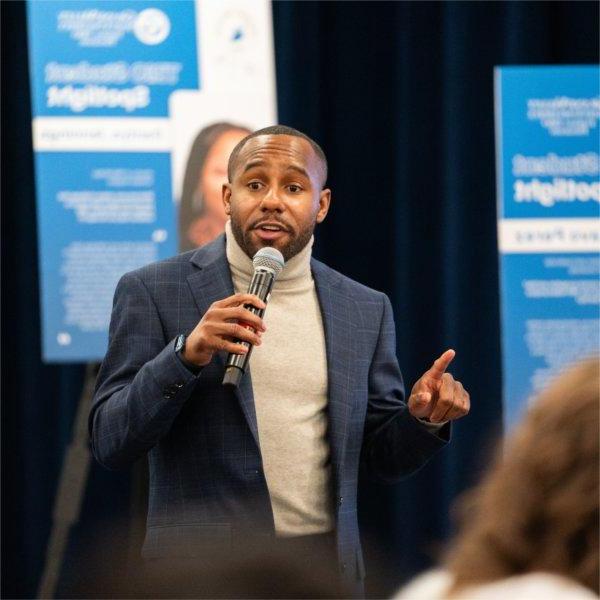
(192, 205)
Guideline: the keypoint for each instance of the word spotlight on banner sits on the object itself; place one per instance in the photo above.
(547, 146)
(103, 77)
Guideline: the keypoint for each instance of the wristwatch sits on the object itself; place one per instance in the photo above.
(179, 348)
(180, 344)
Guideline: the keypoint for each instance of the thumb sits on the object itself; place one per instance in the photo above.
(420, 404)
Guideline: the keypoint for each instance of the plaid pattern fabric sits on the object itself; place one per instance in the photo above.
(206, 478)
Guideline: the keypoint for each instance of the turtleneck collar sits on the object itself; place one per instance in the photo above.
(296, 268)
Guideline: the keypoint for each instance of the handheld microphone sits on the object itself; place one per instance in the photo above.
(268, 263)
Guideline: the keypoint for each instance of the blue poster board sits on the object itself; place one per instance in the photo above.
(102, 73)
(547, 145)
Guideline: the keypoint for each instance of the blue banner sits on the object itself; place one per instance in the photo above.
(547, 145)
(102, 74)
(127, 96)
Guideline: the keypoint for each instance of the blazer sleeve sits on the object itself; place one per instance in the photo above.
(395, 443)
(141, 385)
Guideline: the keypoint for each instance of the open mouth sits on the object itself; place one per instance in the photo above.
(270, 227)
(270, 231)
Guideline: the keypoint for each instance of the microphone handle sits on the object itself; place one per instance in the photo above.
(260, 285)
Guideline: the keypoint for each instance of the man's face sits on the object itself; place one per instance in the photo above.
(275, 196)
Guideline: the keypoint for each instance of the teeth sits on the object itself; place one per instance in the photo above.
(271, 227)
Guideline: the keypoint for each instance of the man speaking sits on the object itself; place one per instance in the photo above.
(279, 455)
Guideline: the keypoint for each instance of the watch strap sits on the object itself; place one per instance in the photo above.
(179, 348)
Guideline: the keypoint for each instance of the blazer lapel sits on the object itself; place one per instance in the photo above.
(336, 311)
(209, 283)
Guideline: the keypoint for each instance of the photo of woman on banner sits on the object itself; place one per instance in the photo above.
(201, 213)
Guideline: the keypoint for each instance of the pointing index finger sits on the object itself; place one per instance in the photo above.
(441, 364)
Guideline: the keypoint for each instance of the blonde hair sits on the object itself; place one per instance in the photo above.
(537, 510)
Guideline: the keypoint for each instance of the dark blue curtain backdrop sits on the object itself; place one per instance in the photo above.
(401, 97)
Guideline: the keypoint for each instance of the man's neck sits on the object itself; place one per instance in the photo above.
(295, 268)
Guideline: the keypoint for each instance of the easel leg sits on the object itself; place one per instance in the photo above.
(71, 488)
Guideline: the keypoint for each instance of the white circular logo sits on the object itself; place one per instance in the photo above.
(152, 26)
(63, 338)
(159, 235)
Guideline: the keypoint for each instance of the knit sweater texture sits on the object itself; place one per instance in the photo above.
(289, 383)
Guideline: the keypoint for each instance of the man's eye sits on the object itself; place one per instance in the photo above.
(254, 185)
(294, 188)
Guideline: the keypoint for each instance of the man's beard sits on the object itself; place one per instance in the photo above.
(295, 245)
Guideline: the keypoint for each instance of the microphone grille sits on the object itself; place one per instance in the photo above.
(270, 259)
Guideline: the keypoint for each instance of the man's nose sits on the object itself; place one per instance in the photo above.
(272, 201)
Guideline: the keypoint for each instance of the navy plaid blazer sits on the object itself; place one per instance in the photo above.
(207, 485)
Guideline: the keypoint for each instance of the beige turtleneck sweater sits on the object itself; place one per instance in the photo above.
(289, 382)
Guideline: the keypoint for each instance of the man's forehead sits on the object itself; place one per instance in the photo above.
(280, 145)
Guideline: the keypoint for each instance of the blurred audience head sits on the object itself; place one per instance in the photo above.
(537, 510)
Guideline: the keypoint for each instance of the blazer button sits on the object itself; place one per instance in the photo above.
(343, 567)
(341, 500)
(169, 392)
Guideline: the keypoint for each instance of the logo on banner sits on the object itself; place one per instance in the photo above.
(565, 116)
(152, 27)
(105, 28)
(234, 31)
(235, 45)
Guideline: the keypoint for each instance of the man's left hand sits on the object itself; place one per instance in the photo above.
(437, 396)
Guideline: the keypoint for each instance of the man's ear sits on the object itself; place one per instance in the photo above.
(324, 201)
(226, 194)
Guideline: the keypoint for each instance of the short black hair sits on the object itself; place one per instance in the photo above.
(276, 130)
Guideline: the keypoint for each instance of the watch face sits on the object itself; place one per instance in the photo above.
(179, 343)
